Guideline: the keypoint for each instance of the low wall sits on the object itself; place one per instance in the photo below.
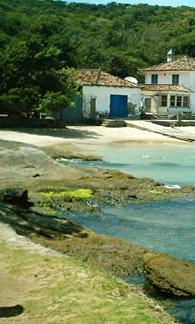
(7, 122)
(172, 123)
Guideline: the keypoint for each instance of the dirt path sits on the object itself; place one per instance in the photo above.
(8, 235)
(14, 289)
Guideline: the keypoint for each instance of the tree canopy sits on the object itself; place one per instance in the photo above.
(41, 39)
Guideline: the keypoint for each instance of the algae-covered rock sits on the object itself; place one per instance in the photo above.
(170, 274)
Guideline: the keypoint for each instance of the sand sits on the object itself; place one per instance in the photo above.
(83, 135)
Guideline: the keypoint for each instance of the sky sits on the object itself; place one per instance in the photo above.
(173, 3)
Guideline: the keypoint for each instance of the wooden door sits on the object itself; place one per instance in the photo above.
(93, 108)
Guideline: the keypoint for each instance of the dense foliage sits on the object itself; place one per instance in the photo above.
(40, 39)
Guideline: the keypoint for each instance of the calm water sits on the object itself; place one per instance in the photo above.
(167, 226)
(170, 164)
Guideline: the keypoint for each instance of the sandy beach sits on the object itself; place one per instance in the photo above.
(84, 135)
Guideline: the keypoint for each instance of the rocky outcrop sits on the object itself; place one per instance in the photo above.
(110, 254)
(31, 222)
(15, 196)
(23, 164)
(29, 167)
(170, 274)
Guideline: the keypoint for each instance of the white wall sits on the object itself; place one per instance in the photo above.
(102, 96)
(186, 79)
(156, 102)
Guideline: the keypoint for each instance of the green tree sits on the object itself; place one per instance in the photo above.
(39, 38)
(67, 89)
(33, 74)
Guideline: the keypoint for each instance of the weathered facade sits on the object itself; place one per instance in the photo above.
(165, 100)
(105, 95)
(169, 87)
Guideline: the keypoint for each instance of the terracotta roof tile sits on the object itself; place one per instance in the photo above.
(185, 63)
(163, 87)
(100, 78)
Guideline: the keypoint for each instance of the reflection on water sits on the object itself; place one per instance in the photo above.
(181, 308)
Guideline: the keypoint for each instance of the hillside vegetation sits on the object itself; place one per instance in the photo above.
(116, 37)
(39, 40)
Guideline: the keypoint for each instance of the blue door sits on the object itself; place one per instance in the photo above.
(118, 106)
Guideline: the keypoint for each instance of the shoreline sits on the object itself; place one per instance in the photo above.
(85, 135)
(41, 275)
(114, 186)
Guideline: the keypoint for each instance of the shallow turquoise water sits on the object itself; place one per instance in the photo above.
(167, 163)
(162, 226)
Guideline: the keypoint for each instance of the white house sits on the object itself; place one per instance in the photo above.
(105, 95)
(169, 87)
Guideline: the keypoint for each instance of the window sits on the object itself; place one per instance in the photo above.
(164, 101)
(154, 78)
(186, 102)
(179, 101)
(175, 79)
(172, 101)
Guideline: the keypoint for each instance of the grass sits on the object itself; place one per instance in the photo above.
(60, 289)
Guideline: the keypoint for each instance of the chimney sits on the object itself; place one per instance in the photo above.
(170, 56)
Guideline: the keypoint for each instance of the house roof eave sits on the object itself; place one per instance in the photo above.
(184, 63)
(159, 88)
(96, 77)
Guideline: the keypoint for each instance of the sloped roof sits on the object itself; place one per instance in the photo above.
(185, 63)
(163, 87)
(100, 78)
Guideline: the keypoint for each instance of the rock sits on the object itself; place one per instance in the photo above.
(23, 165)
(170, 275)
(16, 196)
(132, 196)
(36, 175)
(10, 311)
(80, 156)
(32, 222)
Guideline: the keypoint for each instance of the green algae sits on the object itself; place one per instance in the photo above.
(81, 193)
(156, 192)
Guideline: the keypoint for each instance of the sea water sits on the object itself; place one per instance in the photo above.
(165, 162)
(166, 226)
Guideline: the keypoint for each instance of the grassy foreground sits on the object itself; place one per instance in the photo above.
(59, 289)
